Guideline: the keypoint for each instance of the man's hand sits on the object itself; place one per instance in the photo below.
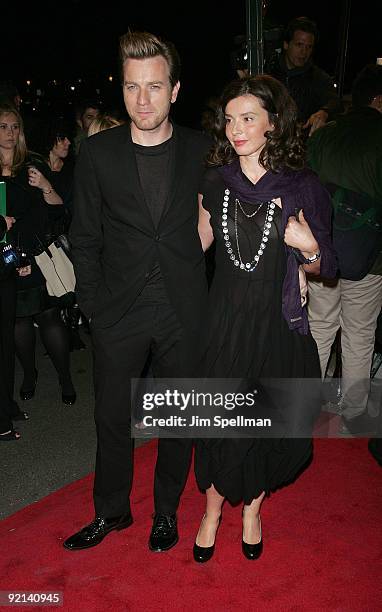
(316, 121)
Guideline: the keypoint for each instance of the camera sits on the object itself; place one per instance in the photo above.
(239, 55)
(272, 44)
(14, 256)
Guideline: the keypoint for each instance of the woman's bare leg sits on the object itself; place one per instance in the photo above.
(251, 521)
(210, 521)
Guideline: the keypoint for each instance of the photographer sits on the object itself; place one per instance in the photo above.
(9, 410)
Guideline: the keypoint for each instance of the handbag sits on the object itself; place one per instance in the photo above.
(57, 229)
(63, 241)
(357, 232)
(57, 270)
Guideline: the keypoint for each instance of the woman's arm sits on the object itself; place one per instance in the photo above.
(299, 236)
(37, 179)
(5, 225)
(204, 227)
(316, 203)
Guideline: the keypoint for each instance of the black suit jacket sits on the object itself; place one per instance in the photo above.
(113, 237)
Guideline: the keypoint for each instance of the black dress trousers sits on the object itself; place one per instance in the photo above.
(120, 353)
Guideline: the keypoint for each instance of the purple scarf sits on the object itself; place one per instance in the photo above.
(271, 185)
(297, 189)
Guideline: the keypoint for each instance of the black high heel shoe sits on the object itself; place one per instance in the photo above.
(27, 394)
(204, 553)
(253, 551)
(68, 398)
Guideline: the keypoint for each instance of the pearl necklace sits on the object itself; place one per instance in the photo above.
(249, 266)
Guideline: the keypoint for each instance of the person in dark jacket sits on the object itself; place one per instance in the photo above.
(9, 410)
(141, 277)
(346, 154)
(311, 87)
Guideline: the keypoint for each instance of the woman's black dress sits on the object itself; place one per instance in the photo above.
(247, 337)
(37, 224)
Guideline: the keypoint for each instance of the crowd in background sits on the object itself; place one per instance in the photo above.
(37, 159)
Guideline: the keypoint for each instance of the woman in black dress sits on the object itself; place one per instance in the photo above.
(53, 143)
(270, 219)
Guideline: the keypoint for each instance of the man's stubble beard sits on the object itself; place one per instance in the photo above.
(146, 125)
(151, 123)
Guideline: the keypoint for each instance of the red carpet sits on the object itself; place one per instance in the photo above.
(322, 546)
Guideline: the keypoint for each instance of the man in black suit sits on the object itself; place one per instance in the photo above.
(140, 277)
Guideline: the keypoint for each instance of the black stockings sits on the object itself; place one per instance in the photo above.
(55, 338)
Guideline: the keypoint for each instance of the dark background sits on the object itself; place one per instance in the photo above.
(76, 39)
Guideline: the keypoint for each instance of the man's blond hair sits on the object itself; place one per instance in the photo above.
(142, 45)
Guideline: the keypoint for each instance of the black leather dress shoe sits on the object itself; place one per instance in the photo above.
(164, 533)
(93, 534)
(252, 551)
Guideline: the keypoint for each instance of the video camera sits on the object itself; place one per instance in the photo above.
(272, 43)
(12, 255)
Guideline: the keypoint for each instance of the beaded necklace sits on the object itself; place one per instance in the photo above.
(249, 266)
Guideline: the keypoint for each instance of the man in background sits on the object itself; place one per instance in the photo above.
(347, 156)
(86, 112)
(311, 87)
(10, 94)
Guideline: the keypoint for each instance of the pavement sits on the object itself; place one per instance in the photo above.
(58, 442)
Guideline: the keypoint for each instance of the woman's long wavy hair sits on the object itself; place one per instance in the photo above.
(284, 147)
(20, 152)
